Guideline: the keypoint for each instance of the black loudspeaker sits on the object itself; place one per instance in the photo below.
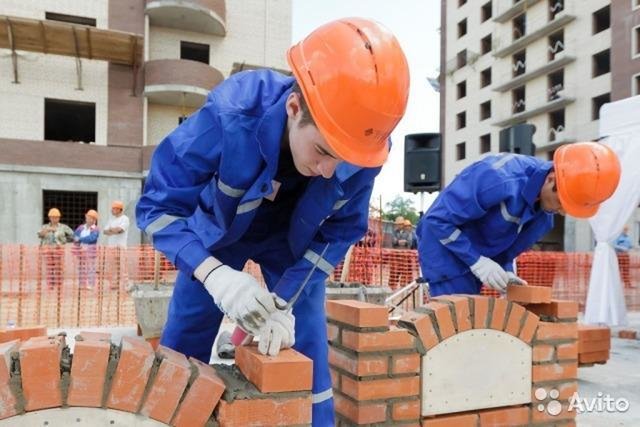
(422, 162)
(518, 139)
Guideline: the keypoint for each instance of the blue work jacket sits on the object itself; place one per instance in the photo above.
(208, 177)
(489, 209)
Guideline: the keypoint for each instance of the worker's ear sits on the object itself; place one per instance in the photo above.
(551, 181)
(293, 105)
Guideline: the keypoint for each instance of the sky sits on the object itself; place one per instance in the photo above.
(415, 24)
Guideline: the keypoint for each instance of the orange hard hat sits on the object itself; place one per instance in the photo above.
(117, 204)
(54, 212)
(92, 213)
(587, 174)
(355, 79)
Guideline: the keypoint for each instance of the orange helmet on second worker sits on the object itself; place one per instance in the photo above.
(355, 79)
(587, 174)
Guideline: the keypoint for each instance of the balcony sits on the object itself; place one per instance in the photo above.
(507, 9)
(560, 61)
(179, 81)
(201, 16)
(541, 106)
(562, 19)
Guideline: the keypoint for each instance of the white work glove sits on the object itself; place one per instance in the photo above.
(241, 298)
(277, 333)
(490, 273)
(515, 280)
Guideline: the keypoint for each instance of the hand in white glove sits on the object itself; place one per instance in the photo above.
(241, 298)
(278, 333)
(515, 280)
(490, 273)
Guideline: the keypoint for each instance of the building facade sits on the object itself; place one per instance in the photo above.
(549, 63)
(89, 88)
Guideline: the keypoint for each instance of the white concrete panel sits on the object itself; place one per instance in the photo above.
(480, 368)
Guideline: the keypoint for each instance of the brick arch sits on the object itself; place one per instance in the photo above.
(364, 375)
(105, 382)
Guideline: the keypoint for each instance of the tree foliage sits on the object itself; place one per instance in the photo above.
(400, 206)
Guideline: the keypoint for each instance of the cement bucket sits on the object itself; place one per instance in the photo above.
(151, 301)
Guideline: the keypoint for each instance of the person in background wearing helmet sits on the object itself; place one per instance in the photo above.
(275, 169)
(53, 236)
(117, 231)
(85, 238)
(500, 206)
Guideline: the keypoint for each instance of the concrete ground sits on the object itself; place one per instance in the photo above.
(619, 378)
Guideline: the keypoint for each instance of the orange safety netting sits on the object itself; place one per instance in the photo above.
(80, 287)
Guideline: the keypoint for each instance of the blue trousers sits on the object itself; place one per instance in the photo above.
(194, 320)
(465, 284)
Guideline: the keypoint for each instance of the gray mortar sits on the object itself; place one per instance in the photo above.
(192, 378)
(15, 382)
(114, 356)
(65, 373)
(238, 386)
(152, 378)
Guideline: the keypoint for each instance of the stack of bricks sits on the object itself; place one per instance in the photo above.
(164, 385)
(22, 334)
(594, 344)
(555, 349)
(375, 367)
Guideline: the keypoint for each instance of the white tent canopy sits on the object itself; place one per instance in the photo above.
(620, 128)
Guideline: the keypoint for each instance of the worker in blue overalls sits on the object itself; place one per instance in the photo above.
(500, 206)
(275, 169)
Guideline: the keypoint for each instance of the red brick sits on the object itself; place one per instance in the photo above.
(358, 313)
(529, 328)
(594, 357)
(405, 363)
(508, 417)
(406, 410)
(559, 309)
(591, 346)
(264, 412)
(461, 308)
(543, 353)
(361, 366)
(567, 351)
(565, 390)
(272, 374)
(554, 372)
(628, 334)
(132, 374)
(443, 318)
(333, 333)
(201, 398)
(593, 333)
(480, 312)
(498, 314)
(335, 379)
(529, 294)
(360, 413)
(464, 420)
(40, 367)
(513, 321)
(88, 372)
(553, 331)
(168, 385)
(423, 325)
(7, 399)
(23, 333)
(381, 389)
(394, 339)
(538, 416)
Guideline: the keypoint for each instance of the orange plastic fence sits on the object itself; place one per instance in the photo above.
(80, 287)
